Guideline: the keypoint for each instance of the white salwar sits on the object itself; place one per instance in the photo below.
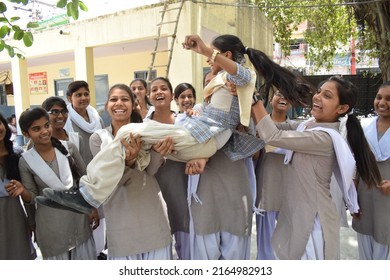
(369, 249)
(159, 254)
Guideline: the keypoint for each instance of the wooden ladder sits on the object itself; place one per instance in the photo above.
(159, 36)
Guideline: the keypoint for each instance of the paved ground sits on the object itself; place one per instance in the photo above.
(349, 247)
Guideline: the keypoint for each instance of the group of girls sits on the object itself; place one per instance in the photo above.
(210, 215)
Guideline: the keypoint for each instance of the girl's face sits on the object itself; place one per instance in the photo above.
(139, 90)
(39, 132)
(382, 102)
(326, 103)
(58, 116)
(186, 100)
(119, 105)
(160, 94)
(279, 103)
(80, 99)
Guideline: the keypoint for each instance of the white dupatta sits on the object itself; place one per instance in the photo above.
(89, 127)
(381, 148)
(46, 174)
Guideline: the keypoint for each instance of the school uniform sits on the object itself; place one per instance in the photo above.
(15, 242)
(135, 213)
(373, 225)
(308, 216)
(60, 234)
(76, 124)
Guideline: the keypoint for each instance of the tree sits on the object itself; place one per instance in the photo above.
(9, 27)
(331, 24)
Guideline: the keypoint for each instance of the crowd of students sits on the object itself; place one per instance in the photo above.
(156, 183)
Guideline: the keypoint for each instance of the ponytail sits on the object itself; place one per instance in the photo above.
(366, 164)
(293, 87)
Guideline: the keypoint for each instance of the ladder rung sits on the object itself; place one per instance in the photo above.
(165, 36)
(162, 65)
(160, 51)
(171, 9)
(167, 22)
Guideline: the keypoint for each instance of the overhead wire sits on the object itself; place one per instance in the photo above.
(253, 5)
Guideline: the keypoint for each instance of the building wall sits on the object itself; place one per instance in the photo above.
(121, 44)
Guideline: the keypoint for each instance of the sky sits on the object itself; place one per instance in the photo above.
(48, 9)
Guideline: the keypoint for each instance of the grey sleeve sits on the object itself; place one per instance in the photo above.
(78, 160)
(28, 180)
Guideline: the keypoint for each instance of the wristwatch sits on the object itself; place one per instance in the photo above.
(256, 98)
(214, 55)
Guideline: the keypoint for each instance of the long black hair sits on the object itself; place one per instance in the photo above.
(366, 164)
(292, 85)
(25, 121)
(12, 159)
(53, 100)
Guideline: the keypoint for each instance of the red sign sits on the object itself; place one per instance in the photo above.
(38, 83)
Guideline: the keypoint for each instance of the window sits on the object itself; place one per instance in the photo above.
(144, 75)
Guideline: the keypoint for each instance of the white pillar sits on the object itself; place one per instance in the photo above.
(20, 86)
(84, 69)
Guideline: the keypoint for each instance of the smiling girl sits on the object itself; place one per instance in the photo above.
(61, 234)
(137, 224)
(308, 223)
(373, 225)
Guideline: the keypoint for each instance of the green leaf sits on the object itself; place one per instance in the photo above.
(14, 19)
(82, 6)
(28, 39)
(20, 56)
(72, 10)
(11, 51)
(3, 19)
(15, 28)
(61, 3)
(32, 25)
(4, 30)
(18, 35)
(24, 2)
(3, 7)
(2, 45)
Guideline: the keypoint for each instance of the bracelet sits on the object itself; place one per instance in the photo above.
(215, 52)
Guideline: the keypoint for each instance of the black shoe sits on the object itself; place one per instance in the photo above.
(70, 198)
(50, 203)
(102, 256)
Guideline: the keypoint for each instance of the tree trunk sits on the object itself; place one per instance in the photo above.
(377, 19)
